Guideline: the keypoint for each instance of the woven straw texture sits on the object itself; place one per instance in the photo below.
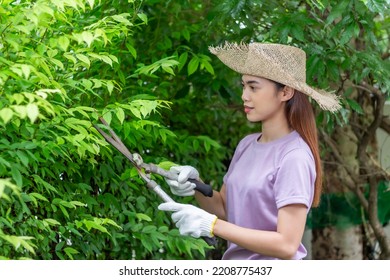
(280, 63)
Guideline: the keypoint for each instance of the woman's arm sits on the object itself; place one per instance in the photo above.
(282, 244)
(215, 204)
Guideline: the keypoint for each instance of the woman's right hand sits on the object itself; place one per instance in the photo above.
(181, 186)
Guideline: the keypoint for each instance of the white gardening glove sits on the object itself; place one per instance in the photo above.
(182, 186)
(190, 220)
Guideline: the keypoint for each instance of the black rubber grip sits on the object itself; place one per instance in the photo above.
(212, 241)
(205, 189)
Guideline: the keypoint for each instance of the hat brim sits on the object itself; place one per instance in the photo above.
(238, 58)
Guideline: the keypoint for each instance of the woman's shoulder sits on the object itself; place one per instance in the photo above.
(245, 142)
(297, 149)
(249, 139)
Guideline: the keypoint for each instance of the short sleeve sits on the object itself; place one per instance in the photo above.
(295, 178)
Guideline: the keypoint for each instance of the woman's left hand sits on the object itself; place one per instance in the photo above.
(190, 220)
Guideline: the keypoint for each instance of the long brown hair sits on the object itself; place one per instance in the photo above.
(301, 117)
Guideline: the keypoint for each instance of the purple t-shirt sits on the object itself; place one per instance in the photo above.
(262, 178)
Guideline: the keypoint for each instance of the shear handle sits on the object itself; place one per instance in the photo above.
(201, 187)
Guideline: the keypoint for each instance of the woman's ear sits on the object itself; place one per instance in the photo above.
(287, 93)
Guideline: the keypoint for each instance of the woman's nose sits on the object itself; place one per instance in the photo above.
(244, 95)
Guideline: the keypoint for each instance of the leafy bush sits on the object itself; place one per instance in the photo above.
(145, 67)
(66, 194)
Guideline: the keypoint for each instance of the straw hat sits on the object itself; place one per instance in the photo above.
(281, 63)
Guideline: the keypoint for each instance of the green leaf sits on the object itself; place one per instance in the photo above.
(131, 49)
(347, 34)
(59, 246)
(38, 196)
(195, 144)
(5, 163)
(298, 33)
(143, 217)
(52, 222)
(23, 157)
(6, 114)
(63, 41)
(87, 37)
(110, 86)
(147, 244)
(208, 67)
(19, 98)
(122, 19)
(2, 188)
(168, 69)
(193, 65)
(26, 69)
(6, 183)
(143, 17)
(182, 60)
(32, 112)
(17, 176)
(163, 135)
(48, 187)
(149, 229)
(20, 241)
(207, 146)
(355, 106)
(107, 116)
(106, 59)
(77, 203)
(70, 57)
(160, 236)
(120, 114)
(186, 34)
(91, 3)
(110, 222)
(70, 252)
(337, 11)
(93, 225)
(64, 211)
(377, 6)
(84, 59)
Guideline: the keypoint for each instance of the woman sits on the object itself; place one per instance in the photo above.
(275, 176)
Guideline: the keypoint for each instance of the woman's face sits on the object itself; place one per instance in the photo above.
(262, 99)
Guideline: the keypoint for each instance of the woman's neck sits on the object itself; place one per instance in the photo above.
(273, 130)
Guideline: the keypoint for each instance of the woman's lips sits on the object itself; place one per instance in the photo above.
(247, 109)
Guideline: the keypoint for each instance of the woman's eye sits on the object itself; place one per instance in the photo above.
(252, 88)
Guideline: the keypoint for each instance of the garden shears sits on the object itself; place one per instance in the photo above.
(144, 170)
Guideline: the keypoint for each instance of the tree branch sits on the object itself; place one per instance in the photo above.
(367, 165)
(354, 187)
(385, 124)
(378, 105)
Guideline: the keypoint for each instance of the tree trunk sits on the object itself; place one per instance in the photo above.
(351, 166)
(344, 240)
(332, 243)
